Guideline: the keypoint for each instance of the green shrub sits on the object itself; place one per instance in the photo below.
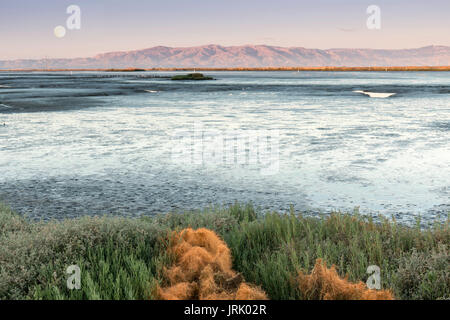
(191, 76)
(11, 222)
(270, 251)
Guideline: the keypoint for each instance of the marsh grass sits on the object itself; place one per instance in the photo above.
(124, 258)
(191, 76)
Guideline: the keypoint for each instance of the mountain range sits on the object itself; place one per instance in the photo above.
(246, 56)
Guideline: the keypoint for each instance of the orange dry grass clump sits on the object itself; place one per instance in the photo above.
(202, 270)
(325, 284)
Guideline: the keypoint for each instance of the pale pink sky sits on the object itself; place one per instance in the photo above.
(26, 27)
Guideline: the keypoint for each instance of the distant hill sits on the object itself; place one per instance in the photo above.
(251, 56)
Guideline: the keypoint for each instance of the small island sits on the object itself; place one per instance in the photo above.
(192, 76)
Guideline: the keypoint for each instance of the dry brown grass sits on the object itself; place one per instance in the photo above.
(325, 284)
(203, 270)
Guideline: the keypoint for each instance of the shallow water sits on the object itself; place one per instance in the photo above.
(93, 143)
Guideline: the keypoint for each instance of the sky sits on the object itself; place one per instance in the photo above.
(27, 27)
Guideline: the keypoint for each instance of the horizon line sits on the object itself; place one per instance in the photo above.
(328, 68)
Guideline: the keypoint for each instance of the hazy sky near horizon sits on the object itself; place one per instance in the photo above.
(27, 27)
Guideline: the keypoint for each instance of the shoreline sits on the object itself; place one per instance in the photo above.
(352, 69)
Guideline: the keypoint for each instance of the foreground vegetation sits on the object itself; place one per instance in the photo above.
(327, 69)
(122, 258)
(191, 76)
